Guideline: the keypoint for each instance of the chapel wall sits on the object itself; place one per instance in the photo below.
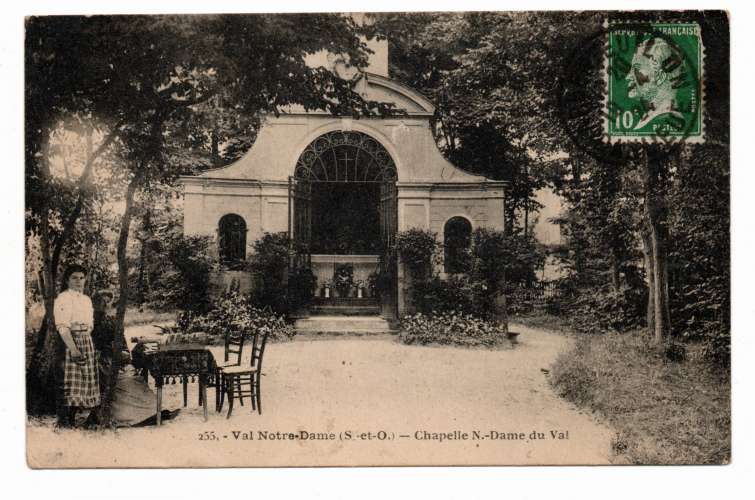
(431, 206)
(202, 214)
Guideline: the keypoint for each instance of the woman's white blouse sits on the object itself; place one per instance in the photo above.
(73, 307)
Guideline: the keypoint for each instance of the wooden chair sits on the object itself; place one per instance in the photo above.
(243, 380)
(232, 356)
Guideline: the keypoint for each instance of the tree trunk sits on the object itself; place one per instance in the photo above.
(142, 263)
(95, 281)
(214, 148)
(40, 383)
(655, 217)
(650, 272)
(577, 245)
(120, 315)
(615, 271)
(526, 201)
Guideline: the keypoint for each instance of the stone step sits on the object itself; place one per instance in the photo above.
(343, 324)
(326, 310)
(346, 301)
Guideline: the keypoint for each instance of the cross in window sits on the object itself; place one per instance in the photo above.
(344, 160)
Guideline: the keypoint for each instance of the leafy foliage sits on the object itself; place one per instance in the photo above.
(270, 265)
(146, 78)
(495, 259)
(493, 80)
(233, 312)
(606, 310)
(450, 328)
(169, 270)
(496, 255)
(417, 248)
(301, 287)
(699, 259)
(459, 294)
(189, 286)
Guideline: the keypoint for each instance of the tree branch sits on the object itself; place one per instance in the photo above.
(70, 221)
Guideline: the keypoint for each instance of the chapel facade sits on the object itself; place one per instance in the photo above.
(342, 188)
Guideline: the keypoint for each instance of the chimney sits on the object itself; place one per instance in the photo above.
(377, 62)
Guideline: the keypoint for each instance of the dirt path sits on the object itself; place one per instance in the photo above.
(358, 386)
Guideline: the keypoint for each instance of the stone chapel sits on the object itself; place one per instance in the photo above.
(342, 188)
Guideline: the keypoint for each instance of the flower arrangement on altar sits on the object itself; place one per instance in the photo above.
(343, 279)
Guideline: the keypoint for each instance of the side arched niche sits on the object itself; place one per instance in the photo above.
(457, 238)
(232, 238)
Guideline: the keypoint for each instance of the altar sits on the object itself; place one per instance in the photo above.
(363, 267)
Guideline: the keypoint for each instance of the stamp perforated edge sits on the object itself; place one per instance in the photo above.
(649, 139)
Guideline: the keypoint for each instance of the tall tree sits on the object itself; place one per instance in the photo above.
(140, 74)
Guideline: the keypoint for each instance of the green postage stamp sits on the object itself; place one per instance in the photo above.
(654, 73)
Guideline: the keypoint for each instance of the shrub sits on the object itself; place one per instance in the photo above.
(458, 294)
(496, 255)
(233, 312)
(301, 288)
(599, 310)
(701, 313)
(717, 347)
(418, 249)
(191, 258)
(184, 277)
(450, 328)
(270, 265)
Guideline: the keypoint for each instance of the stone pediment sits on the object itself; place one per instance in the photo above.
(406, 138)
(383, 89)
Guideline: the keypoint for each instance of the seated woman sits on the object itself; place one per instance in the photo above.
(132, 402)
(105, 344)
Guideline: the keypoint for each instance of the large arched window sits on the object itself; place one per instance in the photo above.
(232, 238)
(343, 156)
(457, 235)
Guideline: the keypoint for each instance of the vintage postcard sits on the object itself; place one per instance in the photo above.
(390, 239)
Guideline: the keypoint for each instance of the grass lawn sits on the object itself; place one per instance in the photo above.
(663, 412)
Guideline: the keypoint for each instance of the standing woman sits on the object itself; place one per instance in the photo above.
(78, 383)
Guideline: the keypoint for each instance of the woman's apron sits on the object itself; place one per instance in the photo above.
(81, 385)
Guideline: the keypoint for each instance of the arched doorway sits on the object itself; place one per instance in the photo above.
(342, 221)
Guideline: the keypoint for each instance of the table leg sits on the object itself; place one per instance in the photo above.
(230, 398)
(159, 404)
(223, 388)
(203, 389)
(217, 391)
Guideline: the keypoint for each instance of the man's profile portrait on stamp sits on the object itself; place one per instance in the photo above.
(655, 75)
